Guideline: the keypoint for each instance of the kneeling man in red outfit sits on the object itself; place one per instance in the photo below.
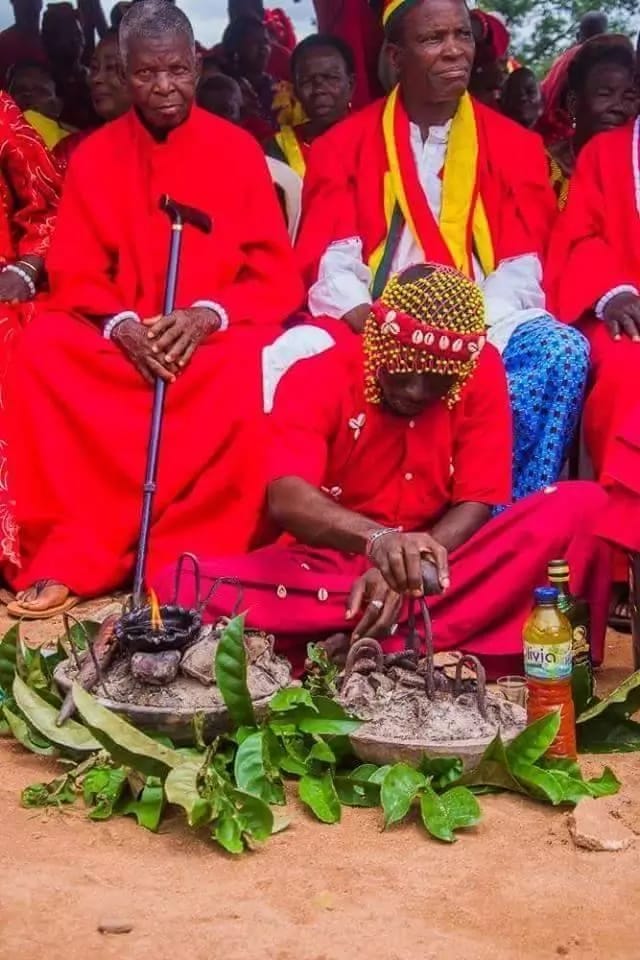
(395, 452)
(80, 400)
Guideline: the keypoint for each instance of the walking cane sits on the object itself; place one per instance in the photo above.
(179, 215)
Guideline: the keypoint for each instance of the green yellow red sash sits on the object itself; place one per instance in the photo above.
(292, 151)
(462, 229)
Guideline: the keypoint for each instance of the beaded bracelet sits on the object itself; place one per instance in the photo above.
(13, 268)
(373, 538)
(29, 266)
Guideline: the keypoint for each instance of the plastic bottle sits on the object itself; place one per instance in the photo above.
(547, 665)
(578, 613)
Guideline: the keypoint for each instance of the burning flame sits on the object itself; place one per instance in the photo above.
(156, 617)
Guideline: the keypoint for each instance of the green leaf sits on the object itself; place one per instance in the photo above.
(228, 833)
(608, 734)
(581, 687)
(319, 794)
(541, 783)
(461, 807)
(454, 810)
(147, 809)
(364, 771)
(20, 730)
(331, 719)
(104, 789)
(54, 794)
(493, 770)
(231, 673)
(35, 795)
(43, 717)
(398, 791)
(434, 815)
(296, 752)
(357, 793)
(562, 765)
(127, 746)
(378, 775)
(251, 773)
(606, 785)
(534, 740)
(94, 781)
(254, 815)
(322, 752)
(181, 789)
(441, 771)
(8, 654)
(621, 702)
(321, 679)
(291, 697)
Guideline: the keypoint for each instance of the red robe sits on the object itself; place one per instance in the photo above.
(619, 522)
(358, 24)
(596, 247)
(344, 187)
(30, 184)
(79, 409)
(555, 123)
(402, 472)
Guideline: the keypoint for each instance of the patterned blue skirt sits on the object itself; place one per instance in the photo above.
(547, 364)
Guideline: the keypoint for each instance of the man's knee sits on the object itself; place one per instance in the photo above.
(578, 502)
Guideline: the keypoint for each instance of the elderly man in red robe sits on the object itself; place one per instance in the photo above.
(81, 397)
(594, 280)
(394, 452)
(428, 173)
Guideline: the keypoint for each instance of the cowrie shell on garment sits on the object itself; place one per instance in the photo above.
(323, 594)
(457, 345)
(417, 337)
(390, 327)
(429, 338)
(281, 592)
(473, 347)
(444, 343)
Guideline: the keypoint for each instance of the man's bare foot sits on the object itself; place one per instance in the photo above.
(44, 599)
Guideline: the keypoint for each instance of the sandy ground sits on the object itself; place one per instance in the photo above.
(515, 887)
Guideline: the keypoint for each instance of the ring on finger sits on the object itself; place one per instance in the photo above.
(378, 604)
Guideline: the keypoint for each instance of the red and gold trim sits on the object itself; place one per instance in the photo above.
(433, 324)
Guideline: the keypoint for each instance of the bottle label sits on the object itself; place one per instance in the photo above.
(548, 661)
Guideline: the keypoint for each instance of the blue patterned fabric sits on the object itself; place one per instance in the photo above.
(547, 364)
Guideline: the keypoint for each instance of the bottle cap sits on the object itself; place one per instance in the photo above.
(545, 595)
(558, 570)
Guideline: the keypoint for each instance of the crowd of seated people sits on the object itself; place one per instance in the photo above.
(400, 386)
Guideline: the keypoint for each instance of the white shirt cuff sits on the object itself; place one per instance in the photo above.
(114, 322)
(217, 308)
(343, 280)
(515, 284)
(604, 302)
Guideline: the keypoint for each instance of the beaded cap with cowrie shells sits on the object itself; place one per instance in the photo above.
(433, 324)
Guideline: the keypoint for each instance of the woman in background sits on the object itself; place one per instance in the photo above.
(30, 186)
(108, 91)
(323, 79)
(601, 95)
(521, 98)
